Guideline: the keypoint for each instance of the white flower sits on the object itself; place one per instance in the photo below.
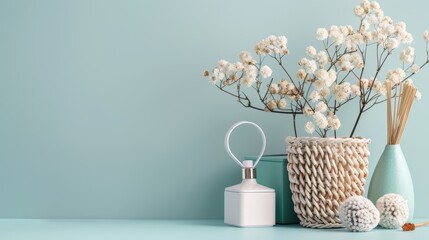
(415, 68)
(285, 87)
(396, 75)
(324, 78)
(364, 83)
(271, 105)
(246, 58)
(374, 6)
(311, 51)
(426, 36)
(265, 71)
(400, 26)
(342, 91)
(321, 107)
(320, 120)
(300, 74)
(309, 65)
(391, 43)
(418, 95)
(353, 40)
(272, 44)
(274, 88)
(239, 66)
(336, 35)
(379, 87)
(282, 103)
(334, 122)
(356, 60)
(309, 127)
(307, 111)
(356, 90)
(365, 5)
(314, 96)
(407, 55)
(321, 34)
(222, 63)
(249, 75)
(322, 58)
(324, 92)
(359, 11)
(364, 26)
(345, 62)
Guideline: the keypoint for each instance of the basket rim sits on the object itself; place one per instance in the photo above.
(328, 140)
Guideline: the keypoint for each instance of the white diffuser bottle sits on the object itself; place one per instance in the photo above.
(248, 204)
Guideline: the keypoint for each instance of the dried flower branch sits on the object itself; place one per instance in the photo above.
(327, 79)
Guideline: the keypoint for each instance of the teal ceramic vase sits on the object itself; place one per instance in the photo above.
(391, 175)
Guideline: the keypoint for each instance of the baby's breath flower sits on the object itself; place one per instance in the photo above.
(415, 68)
(282, 103)
(364, 83)
(307, 111)
(321, 34)
(418, 95)
(246, 58)
(309, 127)
(391, 43)
(300, 74)
(356, 90)
(311, 51)
(322, 58)
(374, 6)
(365, 5)
(321, 107)
(324, 92)
(334, 122)
(426, 36)
(249, 75)
(314, 96)
(265, 71)
(407, 55)
(379, 87)
(336, 35)
(396, 75)
(271, 105)
(272, 44)
(274, 88)
(359, 11)
(309, 65)
(320, 120)
(342, 91)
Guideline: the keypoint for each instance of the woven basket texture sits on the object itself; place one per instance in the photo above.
(323, 173)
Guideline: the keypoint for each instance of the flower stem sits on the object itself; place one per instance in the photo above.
(357, 120)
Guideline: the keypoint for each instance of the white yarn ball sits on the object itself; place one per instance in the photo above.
(358, 214)
(393, 210)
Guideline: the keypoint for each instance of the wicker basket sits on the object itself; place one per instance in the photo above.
(323, 172)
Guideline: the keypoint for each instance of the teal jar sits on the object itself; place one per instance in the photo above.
(391, 175)
(272, 172)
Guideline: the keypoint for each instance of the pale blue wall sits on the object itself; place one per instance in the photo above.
(104, 112)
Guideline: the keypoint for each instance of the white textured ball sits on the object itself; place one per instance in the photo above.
(358, 214)
(393, 210)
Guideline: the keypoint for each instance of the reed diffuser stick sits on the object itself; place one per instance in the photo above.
(396, 120)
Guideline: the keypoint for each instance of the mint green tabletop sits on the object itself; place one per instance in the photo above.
(34, 229)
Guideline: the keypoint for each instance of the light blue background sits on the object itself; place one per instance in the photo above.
(104, 112)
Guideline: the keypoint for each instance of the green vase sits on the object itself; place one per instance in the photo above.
(272, 172)
(391, 175)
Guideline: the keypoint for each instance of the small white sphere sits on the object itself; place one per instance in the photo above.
(359, 214)
(393, 210)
